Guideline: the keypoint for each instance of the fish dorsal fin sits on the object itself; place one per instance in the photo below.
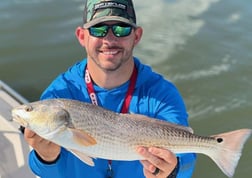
(140, 117)
(82, 138)
(83, 157)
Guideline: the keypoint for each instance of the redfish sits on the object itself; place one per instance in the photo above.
(89, 131)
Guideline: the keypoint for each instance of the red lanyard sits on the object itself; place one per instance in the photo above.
(128, 96)
(126, 102)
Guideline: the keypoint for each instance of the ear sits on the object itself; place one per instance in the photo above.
(138, 34)
(80, 35)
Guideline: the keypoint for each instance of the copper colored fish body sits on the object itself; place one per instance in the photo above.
(91, 131)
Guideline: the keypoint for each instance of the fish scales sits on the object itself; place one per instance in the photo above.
(128, 131)
(87, 129)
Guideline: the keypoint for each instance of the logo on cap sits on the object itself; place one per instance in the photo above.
(104, 5)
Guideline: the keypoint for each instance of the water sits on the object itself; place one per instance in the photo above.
(203, 46)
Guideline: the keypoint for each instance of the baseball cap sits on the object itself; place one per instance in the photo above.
(97, 11)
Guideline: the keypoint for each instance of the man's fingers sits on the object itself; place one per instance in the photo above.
(159, 158)
(152, 161)
(148, 166)
(166, 155)
(169, 159)
(155, 160)
(28, 133)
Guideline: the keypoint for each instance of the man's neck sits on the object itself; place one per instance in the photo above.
(110, 79)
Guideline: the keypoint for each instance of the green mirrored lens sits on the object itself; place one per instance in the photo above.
(120, 31)
(99, 31)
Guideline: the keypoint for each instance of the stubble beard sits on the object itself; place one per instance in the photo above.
(115, 65)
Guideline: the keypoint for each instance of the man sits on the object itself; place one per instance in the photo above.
(112, 78)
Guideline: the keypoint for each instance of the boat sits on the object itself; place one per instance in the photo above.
(14, 150)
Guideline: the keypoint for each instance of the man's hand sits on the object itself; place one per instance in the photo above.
(159, 158)
(47, 150)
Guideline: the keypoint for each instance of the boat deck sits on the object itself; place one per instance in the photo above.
(13, 148)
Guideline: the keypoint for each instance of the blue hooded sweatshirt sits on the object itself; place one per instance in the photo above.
(153, 96)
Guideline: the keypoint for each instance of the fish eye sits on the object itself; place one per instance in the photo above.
(28, 108)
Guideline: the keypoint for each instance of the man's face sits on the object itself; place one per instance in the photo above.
(111, 52)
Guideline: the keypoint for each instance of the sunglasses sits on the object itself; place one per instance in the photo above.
(119, 30)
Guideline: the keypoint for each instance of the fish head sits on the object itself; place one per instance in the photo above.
(42, 118)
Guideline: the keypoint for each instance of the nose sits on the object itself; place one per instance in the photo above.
(110, 36)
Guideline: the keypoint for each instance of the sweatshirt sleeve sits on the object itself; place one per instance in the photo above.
(45, 170)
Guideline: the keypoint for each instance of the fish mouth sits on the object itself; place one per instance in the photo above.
(18, 119)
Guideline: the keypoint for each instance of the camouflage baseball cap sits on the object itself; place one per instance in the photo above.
(97, 11)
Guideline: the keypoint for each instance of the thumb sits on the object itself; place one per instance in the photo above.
(29, 133)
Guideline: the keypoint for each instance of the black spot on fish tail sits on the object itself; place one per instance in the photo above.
(219, 140)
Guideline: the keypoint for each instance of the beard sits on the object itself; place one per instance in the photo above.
(113, 62)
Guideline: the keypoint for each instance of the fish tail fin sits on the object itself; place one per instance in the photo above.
(228, 153)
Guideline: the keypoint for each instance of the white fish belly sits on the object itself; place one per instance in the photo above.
(114, 149)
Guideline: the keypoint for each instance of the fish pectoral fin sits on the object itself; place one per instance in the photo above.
(83, 157)
(82, 138)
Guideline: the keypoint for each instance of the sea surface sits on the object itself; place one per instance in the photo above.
(203, 46)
